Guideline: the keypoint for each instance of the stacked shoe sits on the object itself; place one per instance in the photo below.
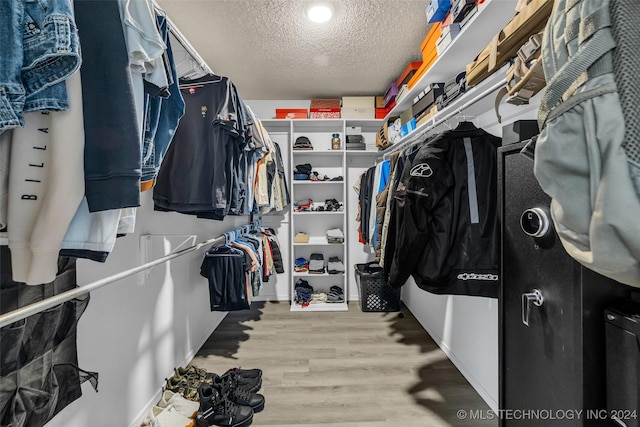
(303, 205)
(302, 143)
(316, 264)
(335, 266)
(301, 265)
(336, 295)
(332, 205)
(335, 235)
(303, 291)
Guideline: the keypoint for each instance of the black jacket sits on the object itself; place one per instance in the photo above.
(447, 236)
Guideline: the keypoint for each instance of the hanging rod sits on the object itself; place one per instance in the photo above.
(182, 39)
(454, 112)
(37, 307)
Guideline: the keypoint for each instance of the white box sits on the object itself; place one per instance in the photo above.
(358, 107)
(353, 130)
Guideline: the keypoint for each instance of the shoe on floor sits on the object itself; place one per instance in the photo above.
(179, 404)
(217, 410)
(194, 373)
(230, 387)
(167, 417)
(188, 388)
(316, 264)
(335, 266)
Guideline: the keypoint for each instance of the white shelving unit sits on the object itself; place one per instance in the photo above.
(332, 163)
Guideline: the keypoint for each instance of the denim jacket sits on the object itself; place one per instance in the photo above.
(40, 49)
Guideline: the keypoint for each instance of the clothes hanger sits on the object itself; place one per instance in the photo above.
(187, 85)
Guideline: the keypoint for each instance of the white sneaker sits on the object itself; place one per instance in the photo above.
(180, 405)
(167, 417)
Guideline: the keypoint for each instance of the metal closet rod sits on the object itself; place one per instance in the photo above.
(182, 39)
(37, 307)
(448, 116)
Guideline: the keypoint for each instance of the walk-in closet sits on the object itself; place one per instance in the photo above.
(305, 213)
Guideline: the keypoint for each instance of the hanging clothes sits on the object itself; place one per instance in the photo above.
(448, 233)
(227, 270)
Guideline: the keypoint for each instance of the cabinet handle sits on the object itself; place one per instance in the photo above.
(534, 297)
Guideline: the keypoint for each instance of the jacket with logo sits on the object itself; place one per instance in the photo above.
(447, 228)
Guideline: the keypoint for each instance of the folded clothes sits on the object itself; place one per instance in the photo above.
(335, 266)
(316, 264)
(301, 265)
(335, 235)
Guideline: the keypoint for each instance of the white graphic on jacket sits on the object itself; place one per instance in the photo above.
(422, 170)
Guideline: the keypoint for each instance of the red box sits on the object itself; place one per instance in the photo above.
(381, 113)
(292, 113)
(325, 114)
(408, 73)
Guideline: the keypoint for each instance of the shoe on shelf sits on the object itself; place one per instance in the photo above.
(217, 410)
(335, 266)
(336, 295)
(337, 178)
(167, 417)
(179, 404)
(316, 264)
(231, 387)
(303, 205)
(301, 238)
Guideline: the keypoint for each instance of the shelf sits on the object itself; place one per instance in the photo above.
(367, 125)
(308, 181)
(317, 152)
(319, 213)
(307, 274)
(318, 125)
(318, 241)
(276, 125)
(323, 306)
(490, 18)
(363, 152)
(477, 100)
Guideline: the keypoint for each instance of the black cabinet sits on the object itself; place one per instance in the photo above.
(552, 337)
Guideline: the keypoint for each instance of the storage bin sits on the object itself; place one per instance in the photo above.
(375, 292)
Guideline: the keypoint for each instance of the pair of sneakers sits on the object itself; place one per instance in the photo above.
(186, 381)
(336, 294)
(226, 403)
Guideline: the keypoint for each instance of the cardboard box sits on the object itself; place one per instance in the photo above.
(468, 17)
(408, 127)
(292, 113)
(408, 72)
(406, 115)
(426, 115)
(324, 115)
(380, 102)
(437, 10)
(358, 107)
(381, 113)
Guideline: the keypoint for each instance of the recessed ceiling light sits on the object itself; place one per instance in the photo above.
(320, 12)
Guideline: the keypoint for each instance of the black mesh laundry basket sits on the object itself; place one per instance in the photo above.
(375, 292)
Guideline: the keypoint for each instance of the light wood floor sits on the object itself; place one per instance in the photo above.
(342, 369)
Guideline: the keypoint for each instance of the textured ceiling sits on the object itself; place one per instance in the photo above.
(271, 51)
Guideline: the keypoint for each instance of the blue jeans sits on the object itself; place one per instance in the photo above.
(41, 49)
(162, 116)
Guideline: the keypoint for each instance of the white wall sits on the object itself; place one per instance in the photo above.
(266, 109)
(137, 330)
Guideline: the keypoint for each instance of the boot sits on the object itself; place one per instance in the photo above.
(217, 410)
(235, 392)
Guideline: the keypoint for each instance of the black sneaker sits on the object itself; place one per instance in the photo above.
(231, 388)
(217, 410)
(245, 379)
(245, 373)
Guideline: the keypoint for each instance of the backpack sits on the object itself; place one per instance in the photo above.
(587, 157)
